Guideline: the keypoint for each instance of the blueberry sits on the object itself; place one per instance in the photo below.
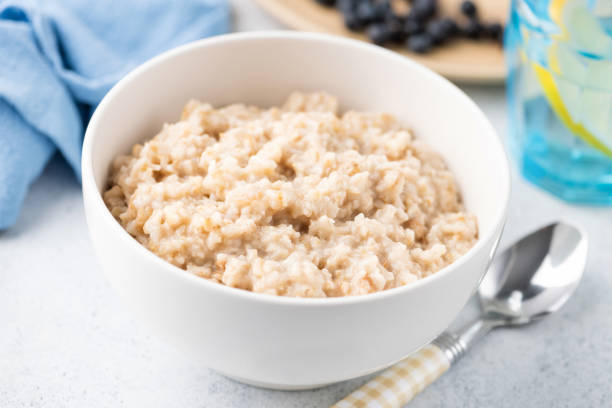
(327, 3)
(495, 31)
(379, 33)
(423, 9)
(365, 11)
(352, 22)
(449, 26)
(435, 32)
(468, 8)
(441, 30)
(346, 6)
(369, 12)
(413, 26)
(420, 43)
(473, 29)
(395, 25)
(384, 9)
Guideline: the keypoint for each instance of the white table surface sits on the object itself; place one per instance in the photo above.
(66, 340)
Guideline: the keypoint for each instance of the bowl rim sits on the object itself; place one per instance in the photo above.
(97, 203)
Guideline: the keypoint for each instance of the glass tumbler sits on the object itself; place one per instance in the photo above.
(559, 55)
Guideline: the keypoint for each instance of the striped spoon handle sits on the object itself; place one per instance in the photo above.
(397, 385)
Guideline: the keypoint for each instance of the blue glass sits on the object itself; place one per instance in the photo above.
(560, 96)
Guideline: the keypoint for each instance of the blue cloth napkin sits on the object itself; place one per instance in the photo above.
(57, 60)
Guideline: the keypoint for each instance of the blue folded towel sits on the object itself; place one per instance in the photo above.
(57, 60)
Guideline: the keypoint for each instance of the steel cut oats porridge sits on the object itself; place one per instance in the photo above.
(292, 201)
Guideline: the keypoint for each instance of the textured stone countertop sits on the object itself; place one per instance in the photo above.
(66, 341)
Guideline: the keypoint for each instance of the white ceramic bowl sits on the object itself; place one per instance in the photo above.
(275, 341)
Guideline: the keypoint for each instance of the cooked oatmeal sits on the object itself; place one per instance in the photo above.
(292, 201)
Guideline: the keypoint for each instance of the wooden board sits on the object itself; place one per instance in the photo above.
(461, 60)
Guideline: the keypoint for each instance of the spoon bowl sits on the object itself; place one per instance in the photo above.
(535, 276)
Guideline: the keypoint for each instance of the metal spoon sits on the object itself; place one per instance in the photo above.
(529, 280)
